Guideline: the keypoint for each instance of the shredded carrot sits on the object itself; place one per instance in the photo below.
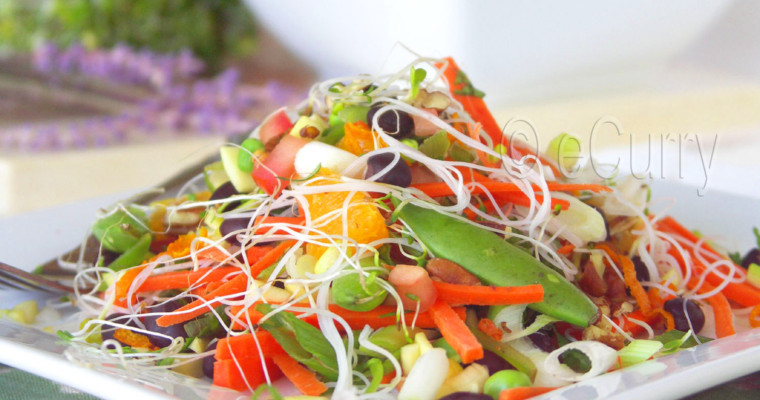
(185, 279)
(439, 189)
(566, 249)
(271, 257)
(302, 378)
(488, 327)
(125, 282)
(378, 317)
(260, 230)
(236, 285)
(670, 323)
(629, 273)
(456, 332)
(724, 318)
(754, 317)
(488, 295)
(742, 293)
(524, 392)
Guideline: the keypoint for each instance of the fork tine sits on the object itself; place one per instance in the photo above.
(21, 279)
(14, 282)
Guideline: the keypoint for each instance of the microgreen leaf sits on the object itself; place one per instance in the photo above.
(305, 343)
(416, 76)
(65, 335)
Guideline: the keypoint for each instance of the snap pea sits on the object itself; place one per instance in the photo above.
(133, 255)
(496, 262)
(119, 230)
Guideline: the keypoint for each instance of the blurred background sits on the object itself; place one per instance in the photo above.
(108, 96)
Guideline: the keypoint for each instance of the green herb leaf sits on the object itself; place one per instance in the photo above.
(206, 325)
(416, 76)
(735, 257)
(305, 343)
(436, 146)
(757, 236)
(674, 340)
(65, 335)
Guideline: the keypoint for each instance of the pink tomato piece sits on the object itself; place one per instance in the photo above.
(278, 166)
(413, 285)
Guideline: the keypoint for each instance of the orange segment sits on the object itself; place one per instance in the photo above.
(359, 139)
(365, 223)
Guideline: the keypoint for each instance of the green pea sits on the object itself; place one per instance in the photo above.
(505, 379)
(351, 293)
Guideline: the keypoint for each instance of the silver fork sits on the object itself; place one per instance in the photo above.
(16, 278)
(49, 277)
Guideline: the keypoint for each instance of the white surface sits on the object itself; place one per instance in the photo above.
(510, 49)
(725, 217)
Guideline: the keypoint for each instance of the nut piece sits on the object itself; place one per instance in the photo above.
(450, 272)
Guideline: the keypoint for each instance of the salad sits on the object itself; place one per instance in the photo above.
(385, 240)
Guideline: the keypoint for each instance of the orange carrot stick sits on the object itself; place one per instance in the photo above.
(245, 346)
(724, 318)
(629, 273)
(379, 317)
(260, 230)
(462, 90)
(236, 285)
(302, 378)
(456, 332)
(250, 372)
(271, 257)
(522, 393)
(488, 295)
(741, 293)
(185, 279)
(125, 282)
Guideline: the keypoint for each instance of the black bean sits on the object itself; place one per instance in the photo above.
(399, 174)
(693, 313)
(752, 257)
(642, 272)
(225, 191)
(493, 362)
(208, 362)
(176, 330)
(230, 225)
(466, 396)
(543, 341)
(394, 122)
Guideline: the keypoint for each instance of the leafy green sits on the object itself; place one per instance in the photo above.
(436, 146)
(206, 325)
(65, 335)
(674, 340)
(416, 76)
(305, 343)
